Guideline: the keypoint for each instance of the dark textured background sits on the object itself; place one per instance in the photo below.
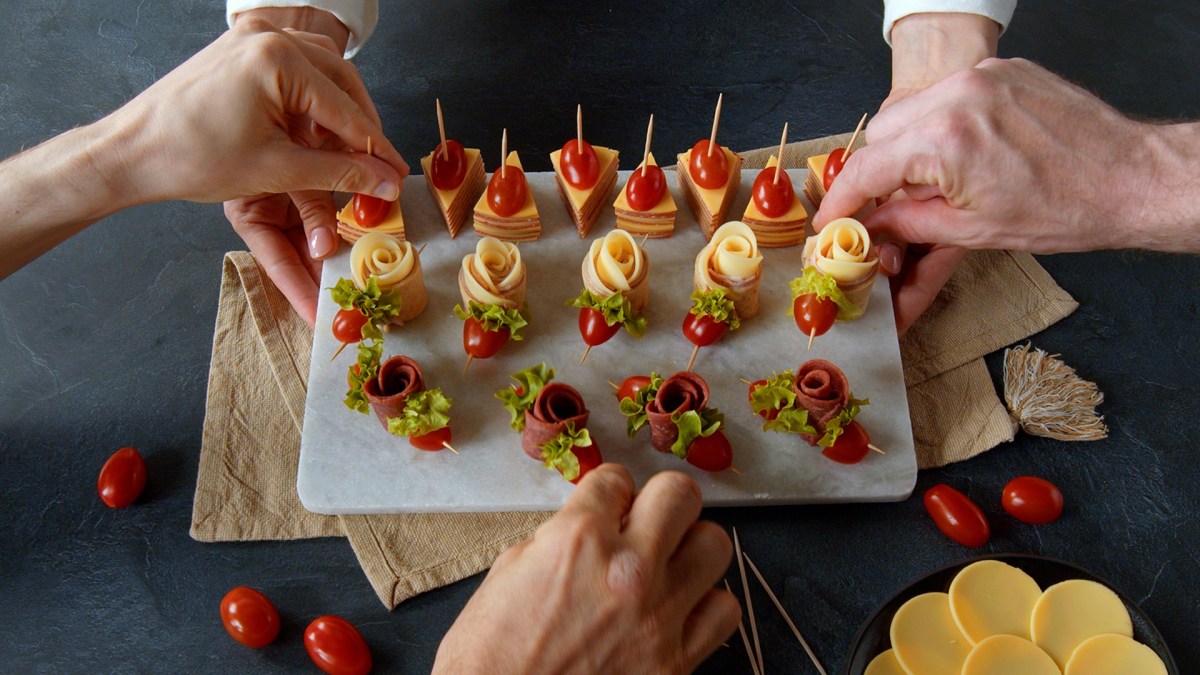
(105, 341)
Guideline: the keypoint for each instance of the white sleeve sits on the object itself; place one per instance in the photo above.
(1000, 11)
(359, 16)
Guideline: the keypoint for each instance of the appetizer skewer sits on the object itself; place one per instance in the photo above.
(724, 286)
(616, 289)
(492, 284)
(455, 177)
(506, 210)
(774, 213)
(552, 419)
(840, 267)
(585, 175)
(364, 213)
(645, 206)
(399, 399)
(676, 410)
(708, 175)
(822, 169)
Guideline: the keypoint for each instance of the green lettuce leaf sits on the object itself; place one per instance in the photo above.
(777, 394)
(370, 353)
(791, 421)
(692, 425)
(835, 426)
(380, 307)
(825, 287)
(424, 411)
(557, 451)
(717, 304)
(634, 409)
(519, 398)
(615, 308)
(493, 318)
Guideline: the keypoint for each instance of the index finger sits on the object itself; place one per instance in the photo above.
(606, 491)
(877, 170)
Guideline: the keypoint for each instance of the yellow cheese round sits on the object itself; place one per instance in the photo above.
(925, 638)
(884, 664)
(1073, 611)
(378, 255)
(494, 274)
(1008, 655)
(993, 598)
(1114, 655)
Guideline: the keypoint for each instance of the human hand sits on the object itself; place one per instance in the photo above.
(611, 584)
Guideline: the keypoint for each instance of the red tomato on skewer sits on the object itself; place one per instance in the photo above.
(773, 198)
(645, 190)
(579, 163)
(589, 458)
(957, 516)
(507, 191)
(851, 447)
(631, 386)
(833, 166)
(370, 211)
(813, 315)
(347, 325)
(765, 414)
(449, 166)
(594, 328)
(711, 453)
(480, 342)
(702, 331)
(708, 171)
(433, 441)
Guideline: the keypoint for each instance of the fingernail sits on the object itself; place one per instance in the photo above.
(890, 258)
(321, 242)
(386, 190)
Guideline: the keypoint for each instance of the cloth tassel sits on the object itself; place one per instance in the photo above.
(1047, 398)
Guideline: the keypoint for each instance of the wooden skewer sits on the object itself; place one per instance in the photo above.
(745, 639)
(788, 619)
(693, 358)
(449, 447)
(875, 449)
(736, 470)
(854, 137)
(737, 545)
(645, 238)
(370, 147)
(811, 335)
(614, 385)
(578, 127)
(712, 139)
(469, 359)
(585, 353)
(504, 154)
(442, 130)
(779, 166)
(745, 381)
(422, 248)
(646, 154)
(339, 351)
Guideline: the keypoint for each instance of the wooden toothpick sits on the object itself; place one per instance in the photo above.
(735, 470)
(811, 335)
(854, 137)
(449, 447)
(370, 147)
(745, 381)
(504, 154)
(788, 619)
(614, 385)
(585, 353)
(712, 139)
(693, 358)
(421, 248)
(578, 127)
(737, 545)
(745, 639)
(442, 130)
(875, 449)
(469, 359)
(646, 154)
(779, 166)
(339, 350)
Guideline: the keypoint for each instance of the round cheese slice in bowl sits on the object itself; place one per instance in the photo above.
(1073, 611)
(1114, 655)
(1008, 655)
(925, 638)
(990, 597)
(885, 664)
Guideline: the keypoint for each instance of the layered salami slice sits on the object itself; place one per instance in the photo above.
(399, 377)
(822, 390)
(679, 393)
(556, 405)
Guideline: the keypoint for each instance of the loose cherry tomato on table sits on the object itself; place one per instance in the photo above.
(851, 447)
(579, 163)
(507, 191)
(249, 617)
(432, 441)
(347, 325)
(711, 453)
(631, 386)
(765, 414)
(122, 478)
(370, 211)
(448, 167)
(1032, 500)
(645, 188)
(957, 516)
(702, 331)
(773, 198)
(833, 166)
(480, 342)
(813, 315)
(594, 328)
(336, 646)
(708, 171)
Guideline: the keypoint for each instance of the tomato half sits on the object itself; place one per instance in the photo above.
(336, 646)
(833, 166)
(249, 617)
(122, 478)
(432, 441)
(708, 171)
(347, 325)
(507, 191)
(1032, 500)
(631, 386)
(480, 342)
(813, 315)
(645, 188)
(579, 164)
(711, 453)
(702, 331)
(765, 414)
(370, 211)
(851, 446)
(594, 328)
(957, 516)
(773, 198)
(448, 167)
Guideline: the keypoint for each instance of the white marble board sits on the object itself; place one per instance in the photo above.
(350, 464)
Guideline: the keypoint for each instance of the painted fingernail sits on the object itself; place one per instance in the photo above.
(890, 258)
(386, 190)
(321, 242)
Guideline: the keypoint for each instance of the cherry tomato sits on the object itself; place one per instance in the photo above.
(833, 165)
(594, 329)
(708, 171)
(771, 197)
(814, 316)
(589, 458)
(703, 330)
(711, 453)
(480, 342)
(347, 325)
(645, 191)
(370, 211)
(336, 646)
(765, 414)
(631, 386)
(957, 516)
(1032, 500)
(851, 446)
(579, 163)
(249, 617)
(506, 193)
(433, 441)
(449, 166)
(122, 478)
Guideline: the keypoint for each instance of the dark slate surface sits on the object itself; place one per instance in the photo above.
(106, 339)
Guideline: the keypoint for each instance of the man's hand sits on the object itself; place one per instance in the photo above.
(611, 584)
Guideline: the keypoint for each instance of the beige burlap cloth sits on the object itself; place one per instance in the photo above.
(246, 488)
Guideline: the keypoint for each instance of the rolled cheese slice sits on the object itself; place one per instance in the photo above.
(1073, 611)
(616, 264)
(731, 262)
(1008, 655)
(993, 598)
(843, 251)
(925, 638)
(493, 275)
(1114, 655)
(394, 264)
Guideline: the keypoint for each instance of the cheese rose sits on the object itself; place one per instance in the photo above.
(731, 262)
(843, 251)
(616, 264)
(394, 264)
(493, 275)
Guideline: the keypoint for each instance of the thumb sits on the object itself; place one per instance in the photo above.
(341, 171)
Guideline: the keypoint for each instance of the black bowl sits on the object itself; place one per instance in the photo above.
(873, 638)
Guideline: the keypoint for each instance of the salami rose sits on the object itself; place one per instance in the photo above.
(399, 377)
(555, 405)
(822, 390)
(679, 393)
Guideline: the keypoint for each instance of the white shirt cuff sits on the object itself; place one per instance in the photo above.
(1000, 11)
(359, 16)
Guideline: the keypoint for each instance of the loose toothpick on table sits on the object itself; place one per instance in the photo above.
(779, 606)
(749, 603)
(442, 130)
(745, 640)
(646, 154)
(779, 165)
(712, 139)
